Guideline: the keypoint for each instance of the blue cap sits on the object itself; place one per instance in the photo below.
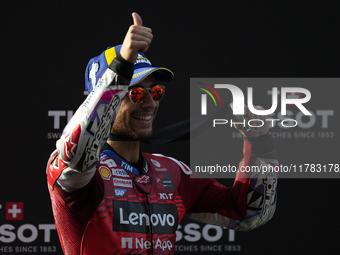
(142, 68)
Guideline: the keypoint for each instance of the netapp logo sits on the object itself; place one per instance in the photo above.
(134, 217)
(127, 243)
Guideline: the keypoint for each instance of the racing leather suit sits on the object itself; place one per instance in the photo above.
(104, 205)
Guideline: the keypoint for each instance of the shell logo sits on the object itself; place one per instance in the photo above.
(105, 173)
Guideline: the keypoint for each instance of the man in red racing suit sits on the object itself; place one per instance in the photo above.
(109, 198)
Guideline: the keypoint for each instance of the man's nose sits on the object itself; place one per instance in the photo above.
(148, 101)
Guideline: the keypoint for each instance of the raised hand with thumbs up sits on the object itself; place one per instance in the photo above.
(137, 39)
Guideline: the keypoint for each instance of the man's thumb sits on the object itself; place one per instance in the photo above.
(137, 20)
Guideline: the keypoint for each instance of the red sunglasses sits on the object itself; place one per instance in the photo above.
(137, 94)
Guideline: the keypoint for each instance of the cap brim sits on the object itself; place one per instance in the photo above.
(160, 74)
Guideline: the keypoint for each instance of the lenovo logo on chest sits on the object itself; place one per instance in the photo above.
(137, 217)
(143, 219)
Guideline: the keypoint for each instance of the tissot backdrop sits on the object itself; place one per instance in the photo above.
(45, 47)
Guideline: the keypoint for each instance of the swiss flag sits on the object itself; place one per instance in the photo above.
(14, 211)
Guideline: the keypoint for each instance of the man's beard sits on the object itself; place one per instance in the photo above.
(120, 128)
